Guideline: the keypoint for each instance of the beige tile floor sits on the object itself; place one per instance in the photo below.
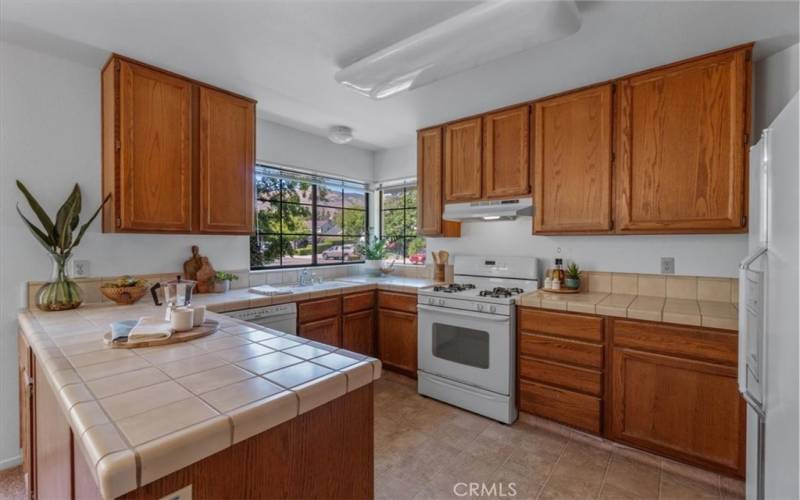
(424, 448)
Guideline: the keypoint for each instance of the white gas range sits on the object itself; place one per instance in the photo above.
(466, 335)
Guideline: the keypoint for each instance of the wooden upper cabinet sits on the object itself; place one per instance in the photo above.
(462, 161)
(682, 142)
(573, 162)
(506, 158)
(227, 162)
(155, 143)
(429, 182)
(178, 155)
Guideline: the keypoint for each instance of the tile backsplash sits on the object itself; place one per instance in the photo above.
(90, 287)
(661, 286)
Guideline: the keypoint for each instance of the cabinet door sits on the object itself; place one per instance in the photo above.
(155, 175)
(53, 443)
(462, 161)
(572, 162)
(506, 159)
(26, 438)
(429, 182)
(397, 340)
(358, 332)
(326, 331)
(314, 310)
(688, 409)
(682, 134)
(227, 162)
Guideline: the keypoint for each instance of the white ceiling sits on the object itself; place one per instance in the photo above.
(285, 53)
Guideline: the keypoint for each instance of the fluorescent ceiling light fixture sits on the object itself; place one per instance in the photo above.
(339, 134)
(491, 217)
(491, 30)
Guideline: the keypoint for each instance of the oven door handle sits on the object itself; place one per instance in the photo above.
(466, 314)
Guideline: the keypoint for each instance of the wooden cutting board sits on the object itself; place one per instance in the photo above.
(207, 328)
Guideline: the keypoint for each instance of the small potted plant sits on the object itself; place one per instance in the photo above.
(572, 277)
(222, 281)
(374, 254)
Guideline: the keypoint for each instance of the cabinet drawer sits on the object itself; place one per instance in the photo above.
(562, 350)
(397, 301)
(358, 301)
(319, 309)
(579, 379)
(561, 324)
(561, 405)
(694, 343)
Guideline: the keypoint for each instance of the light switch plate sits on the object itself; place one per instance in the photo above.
(80, 268)
(667, 265)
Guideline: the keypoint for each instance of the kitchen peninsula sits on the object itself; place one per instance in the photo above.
(243, 413)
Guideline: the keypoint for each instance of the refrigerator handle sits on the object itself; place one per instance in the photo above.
(744, 333)
(747, 262)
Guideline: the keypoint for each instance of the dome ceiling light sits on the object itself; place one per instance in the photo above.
(489, 31)
(340, 134)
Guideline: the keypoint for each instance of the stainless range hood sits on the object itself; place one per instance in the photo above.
(489, 210)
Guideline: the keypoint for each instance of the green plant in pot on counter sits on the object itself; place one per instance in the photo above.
(572, 277)
(374, 253)
(222, 281)
(59, 239)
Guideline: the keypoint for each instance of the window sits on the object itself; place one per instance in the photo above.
(399, 225)
(305, 220)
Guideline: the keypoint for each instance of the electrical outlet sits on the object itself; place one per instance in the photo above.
(80, 268)
(667, 265)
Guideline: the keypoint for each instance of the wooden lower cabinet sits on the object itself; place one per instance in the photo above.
(667, 389)
(686, 408)
(327, 331)
(358, 332)
(397, 332)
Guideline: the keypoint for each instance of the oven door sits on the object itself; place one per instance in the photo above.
(469, 347)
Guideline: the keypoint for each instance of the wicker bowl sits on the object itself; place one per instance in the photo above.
(124, 295)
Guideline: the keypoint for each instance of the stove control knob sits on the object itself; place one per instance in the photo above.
(492, 309)
(441, 302)
(480, 307)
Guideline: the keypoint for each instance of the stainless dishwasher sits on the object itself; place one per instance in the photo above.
(281, 317)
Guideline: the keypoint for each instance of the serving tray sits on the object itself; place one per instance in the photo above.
(207, 328)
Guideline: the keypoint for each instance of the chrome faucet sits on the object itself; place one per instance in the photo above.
(304, 278)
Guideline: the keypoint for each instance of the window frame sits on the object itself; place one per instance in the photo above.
(404, 237)
(313, 206)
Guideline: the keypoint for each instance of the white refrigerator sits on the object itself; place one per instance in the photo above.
(768, 312)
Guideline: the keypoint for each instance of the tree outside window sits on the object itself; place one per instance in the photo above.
(302, 222)
(399, 225)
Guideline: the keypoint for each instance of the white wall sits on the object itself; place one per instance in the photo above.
(291, 147)
(775, 83)
(396, 163)
(50, 139)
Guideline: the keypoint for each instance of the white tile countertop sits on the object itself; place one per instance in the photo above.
(141, 414)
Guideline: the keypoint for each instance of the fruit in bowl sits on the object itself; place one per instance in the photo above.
(125, 290)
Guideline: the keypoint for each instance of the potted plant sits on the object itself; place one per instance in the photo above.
(572, 277)
(374, 254)
(58, 238)
(222, 281)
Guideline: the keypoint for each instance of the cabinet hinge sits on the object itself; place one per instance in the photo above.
(744, 220)
(612, 224)
(746, 139)
(116, 65)
(117, 144)
(613, 156)
(119, 222)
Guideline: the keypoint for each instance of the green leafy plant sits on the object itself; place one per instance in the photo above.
(373, 250)
(573, 271)
(59, 239)
(223, 276)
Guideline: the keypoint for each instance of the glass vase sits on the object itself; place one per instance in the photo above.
(60, 293)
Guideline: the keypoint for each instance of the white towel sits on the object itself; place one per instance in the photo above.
(150, 328)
